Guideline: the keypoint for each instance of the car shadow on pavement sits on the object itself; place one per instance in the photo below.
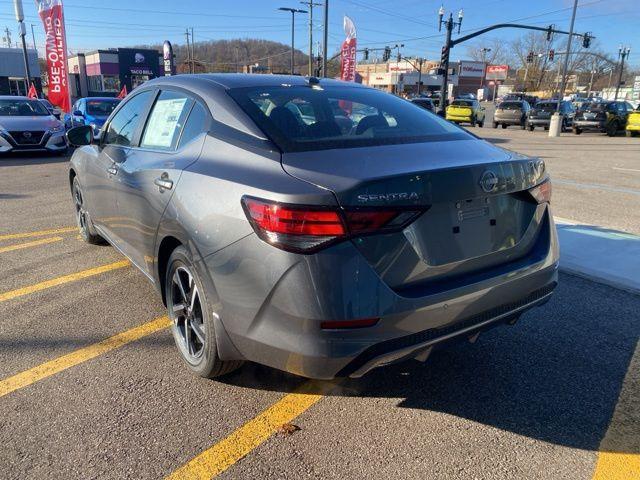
(555, 376)
(31, 158)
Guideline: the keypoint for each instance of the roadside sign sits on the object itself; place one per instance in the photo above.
(497, 72)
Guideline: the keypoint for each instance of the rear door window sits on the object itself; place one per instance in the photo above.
(197, 123)
(166, 121)
(511, 105)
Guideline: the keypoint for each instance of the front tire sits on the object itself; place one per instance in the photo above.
(87, 230)
(192, 318)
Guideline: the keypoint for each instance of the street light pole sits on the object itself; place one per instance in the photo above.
(311, 4)
(17, 4)
(293, 28)
(444, 58)
(565, 67)
(623, 52)
(325, 39)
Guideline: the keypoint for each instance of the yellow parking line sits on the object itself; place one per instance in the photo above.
(35, 243)
(77, 357)
(228, 451)
(619, 455)
(54, 282)
(40, 233)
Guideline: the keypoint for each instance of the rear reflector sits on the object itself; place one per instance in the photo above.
(305, 229)
(542, 193)
(338, 324)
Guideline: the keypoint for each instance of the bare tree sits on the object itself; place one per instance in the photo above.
(492, 51)
(537, 71)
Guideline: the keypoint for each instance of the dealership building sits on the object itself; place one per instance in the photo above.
(103, 73)
(12, 71)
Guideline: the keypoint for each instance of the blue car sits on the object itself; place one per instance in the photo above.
(92, 111)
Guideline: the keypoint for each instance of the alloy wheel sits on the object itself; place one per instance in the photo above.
(81, 213)
(186, 310)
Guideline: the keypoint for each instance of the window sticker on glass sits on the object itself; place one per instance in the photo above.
(163, 128)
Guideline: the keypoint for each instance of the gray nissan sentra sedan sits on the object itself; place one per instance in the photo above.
(315, 226)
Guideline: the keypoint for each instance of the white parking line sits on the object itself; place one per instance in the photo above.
(627, 169)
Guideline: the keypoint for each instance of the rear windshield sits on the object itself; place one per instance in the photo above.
(594, 107)
(463, 103)
(22, 108)
(303, 118)
(511, 105)
(101, 107)
(547, 106)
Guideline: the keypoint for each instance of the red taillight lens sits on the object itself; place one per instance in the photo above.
(305, 229)
(542, 193)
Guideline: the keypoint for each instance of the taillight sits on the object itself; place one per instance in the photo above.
(542, 192)
(305, 229)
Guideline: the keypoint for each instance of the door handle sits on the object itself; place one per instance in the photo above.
(112, 170)
(163, 182)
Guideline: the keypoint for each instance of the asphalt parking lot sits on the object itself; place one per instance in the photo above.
(92, 387)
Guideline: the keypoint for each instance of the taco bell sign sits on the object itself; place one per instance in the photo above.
(167, 58)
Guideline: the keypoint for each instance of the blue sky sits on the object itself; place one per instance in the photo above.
(93, 24)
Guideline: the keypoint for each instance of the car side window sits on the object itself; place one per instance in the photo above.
(82, 106)
(197, 123)
(166, 121)
(123, 125)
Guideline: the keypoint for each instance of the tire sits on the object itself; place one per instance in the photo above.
(577, 130)
(504, 125)
(87, 230)
(481, 124)
(495, 124)
(531, 128)
(631, 133)
(612, 129)
(193, 327)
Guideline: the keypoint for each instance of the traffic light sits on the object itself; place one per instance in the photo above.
(366, 54)
(386, 55)
(586, 40)
(549, 33)
(552, 54)
(530, 57)
(444, 57)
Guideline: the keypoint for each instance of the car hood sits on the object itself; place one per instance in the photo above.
(37, 122)
(97, 119)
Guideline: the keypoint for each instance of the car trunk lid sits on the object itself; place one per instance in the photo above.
(474, 216)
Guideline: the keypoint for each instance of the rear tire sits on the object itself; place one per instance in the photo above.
(631, 133)
(504, 125)
(481, 124)
(192, 318)
(577, 130)
(612, 129)
(83, 219)
(531, 128)
(495, 124)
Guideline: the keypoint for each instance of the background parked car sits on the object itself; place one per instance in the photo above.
(425, 103)
(605, 117)
(92, 111)
(540, 115)
(26, 124)
(511, 113)
(464, 110)
(633, 123)
(55, 111)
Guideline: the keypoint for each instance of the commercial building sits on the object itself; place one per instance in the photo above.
(12, 71)
(103, 73)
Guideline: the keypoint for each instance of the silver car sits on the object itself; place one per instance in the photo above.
(277, 234)
(27, 125)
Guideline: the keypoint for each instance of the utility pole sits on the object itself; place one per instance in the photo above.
(193, 53)
(293, 28)
(186, 34)
(325, 40)
(7, 37)
(17, 4)
(449, 24)
(623, 52)
(311, 4)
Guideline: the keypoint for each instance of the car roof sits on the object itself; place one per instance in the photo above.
(15, 97)
(100, 98)
(239, 80)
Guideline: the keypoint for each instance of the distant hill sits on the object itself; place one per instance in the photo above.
(233, 55)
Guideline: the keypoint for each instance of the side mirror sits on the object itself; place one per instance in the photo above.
(78, 113)
(79, 136)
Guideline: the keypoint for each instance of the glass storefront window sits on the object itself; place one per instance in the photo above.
(111, 83)
(94, 83)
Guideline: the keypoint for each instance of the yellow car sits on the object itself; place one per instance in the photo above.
(633, 123)
(464, 110)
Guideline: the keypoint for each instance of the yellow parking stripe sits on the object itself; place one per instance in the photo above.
(225, 453)
(77, 357)
(619, 455)
(54, 282)
(40, 233)
(35, 243)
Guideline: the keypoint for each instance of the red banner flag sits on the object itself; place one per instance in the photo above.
(32, 92)
(348, 52)
(123, 92)
(52, 16)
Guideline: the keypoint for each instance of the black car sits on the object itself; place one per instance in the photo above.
(425, 103)
(540, 115)
(605, 117)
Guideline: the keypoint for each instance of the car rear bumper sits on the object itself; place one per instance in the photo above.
(272, 303)
(595, 125)
(49, 142)
(508, 121)
(459, 118)
(633, 127)
(539, 122)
